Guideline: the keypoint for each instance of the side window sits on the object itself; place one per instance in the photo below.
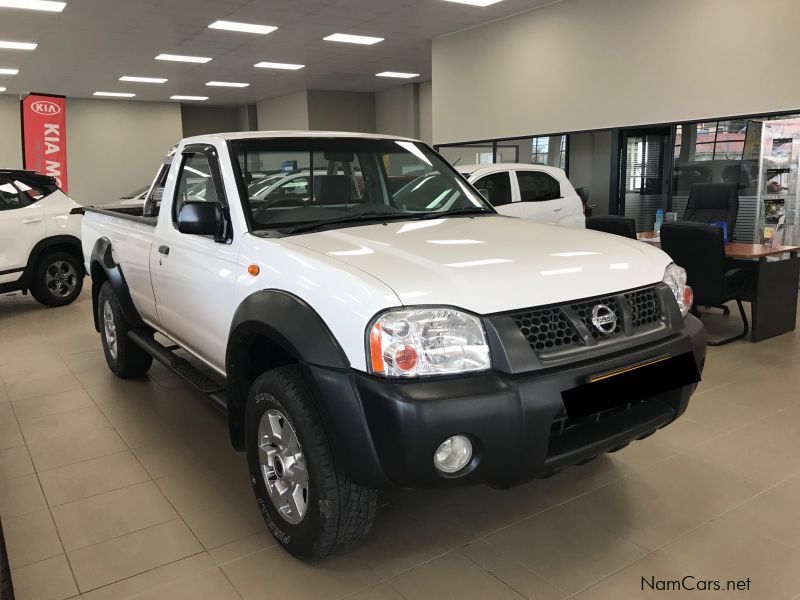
(196, 183)
(152, 203)
(11, 197)
(497, 186)
(297, 186)
(35, 190)
(535, 186)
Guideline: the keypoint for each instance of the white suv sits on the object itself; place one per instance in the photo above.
(536, 192)
(40, 247)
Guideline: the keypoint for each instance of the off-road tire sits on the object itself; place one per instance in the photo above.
(38, 285)
(339, 512)
(130, 360)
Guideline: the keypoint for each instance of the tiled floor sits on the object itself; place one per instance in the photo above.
(112, 489)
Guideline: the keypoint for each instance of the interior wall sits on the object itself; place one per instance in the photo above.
(198, 120)
(341, 111)
(397, 111)
(425, 99)
(593, 64)
(10, 137)
(114, 147)
(284, 113)
(590, 166)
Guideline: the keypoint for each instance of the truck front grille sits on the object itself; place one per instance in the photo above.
(552, 329)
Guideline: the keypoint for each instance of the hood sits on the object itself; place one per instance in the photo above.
(492, 263)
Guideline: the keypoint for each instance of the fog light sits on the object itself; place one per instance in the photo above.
(453, 454)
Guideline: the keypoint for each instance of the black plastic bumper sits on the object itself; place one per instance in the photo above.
(386, 432)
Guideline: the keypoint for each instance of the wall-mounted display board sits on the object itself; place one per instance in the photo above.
(778, 191)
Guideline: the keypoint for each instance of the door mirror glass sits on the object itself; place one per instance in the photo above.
(200, 218)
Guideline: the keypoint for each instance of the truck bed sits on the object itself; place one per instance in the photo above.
(129, 213)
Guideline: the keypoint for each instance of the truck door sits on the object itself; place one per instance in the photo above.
(193, 275)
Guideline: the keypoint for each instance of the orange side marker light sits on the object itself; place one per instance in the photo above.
(253, 270)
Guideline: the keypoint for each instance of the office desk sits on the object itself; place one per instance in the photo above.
(771, 285)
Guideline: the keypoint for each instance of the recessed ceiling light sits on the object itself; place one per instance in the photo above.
(115, 94)
(243, 27)
(46, 5)
(353, 39)
(226, 84)
(198, 98)
(274, 65)
(397, 74)
(18, 45)
(480, 3)
(2, 89)
(4, 71)
(182, 58)
(133, 79)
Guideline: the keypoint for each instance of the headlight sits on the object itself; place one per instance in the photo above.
(427, 341)
(675, 278)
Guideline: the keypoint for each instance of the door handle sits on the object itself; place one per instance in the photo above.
(30, 220)
(558, 209)
(163, 249)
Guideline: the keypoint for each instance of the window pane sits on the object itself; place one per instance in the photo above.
(196, 183)
(497, 186)
(535, 186)
(9, 196)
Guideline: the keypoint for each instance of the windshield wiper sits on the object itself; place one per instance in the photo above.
(457, 213)
(370, 215)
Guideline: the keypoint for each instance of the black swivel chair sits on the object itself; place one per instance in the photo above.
(699, 249)
(624, 226)
(713, 202)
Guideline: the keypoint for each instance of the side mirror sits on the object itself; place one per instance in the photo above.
(200, 218)
(485, 193)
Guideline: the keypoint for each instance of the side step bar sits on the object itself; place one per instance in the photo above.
(181, 367)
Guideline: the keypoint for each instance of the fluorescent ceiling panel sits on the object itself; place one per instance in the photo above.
(242, 27)
(276, 65)
(232, 84)
(5, 71)
(397, 75)
(133, 79)
(46, 5)
(183, 58)
(195, 98)
(353, 39)
(481, 3)
(115, 94)
(18, 45)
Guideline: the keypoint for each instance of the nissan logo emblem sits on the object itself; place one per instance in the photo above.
(604, 319)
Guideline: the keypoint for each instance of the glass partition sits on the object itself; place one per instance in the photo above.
(468, 154)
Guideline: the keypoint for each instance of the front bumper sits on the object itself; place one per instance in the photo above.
(385, 432)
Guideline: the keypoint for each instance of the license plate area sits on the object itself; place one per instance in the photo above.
(632, 383)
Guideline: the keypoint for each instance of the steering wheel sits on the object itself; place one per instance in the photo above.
(284, 201)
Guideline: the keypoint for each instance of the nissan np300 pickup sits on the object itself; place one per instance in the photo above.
(372, 322)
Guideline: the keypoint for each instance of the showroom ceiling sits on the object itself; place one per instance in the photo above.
(92, 43)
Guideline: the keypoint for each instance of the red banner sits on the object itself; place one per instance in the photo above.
(44, 136)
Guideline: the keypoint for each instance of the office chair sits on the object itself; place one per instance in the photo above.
(699, 249)
(624, 226)
(584, 194)
(713, 202)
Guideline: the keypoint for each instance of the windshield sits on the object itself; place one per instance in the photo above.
(318, 181)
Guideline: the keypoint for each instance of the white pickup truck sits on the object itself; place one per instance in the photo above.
(365, 331)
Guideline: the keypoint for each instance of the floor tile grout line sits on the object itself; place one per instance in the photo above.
(49, 511)
(505, 583)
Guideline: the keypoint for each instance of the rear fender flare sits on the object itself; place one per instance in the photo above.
(102, 261)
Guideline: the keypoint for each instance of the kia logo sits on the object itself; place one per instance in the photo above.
(45, 107)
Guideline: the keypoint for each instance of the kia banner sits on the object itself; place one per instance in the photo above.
(44, 136)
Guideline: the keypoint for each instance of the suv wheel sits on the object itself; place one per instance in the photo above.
(57, 279)
(310, 507)
(124, 358)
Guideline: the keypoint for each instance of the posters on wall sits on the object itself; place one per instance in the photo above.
(44, 136)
